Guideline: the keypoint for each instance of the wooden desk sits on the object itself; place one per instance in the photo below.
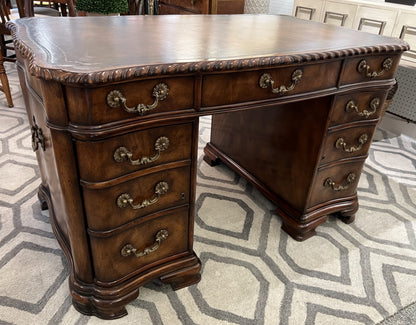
(114, 103)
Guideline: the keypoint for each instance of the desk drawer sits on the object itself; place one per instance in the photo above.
(335, 182)
(369, 68)
(105, 104)
(231, 88)
(347, 143)
(111, 158)
(112, 253)
(113, 206)
(358, 106)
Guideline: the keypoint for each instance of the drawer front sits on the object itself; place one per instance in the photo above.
(111, 207)
(369, 68)
(339, 14)
(129, 100)
(336, 182)
(347, 143)
(111, 158)
(358, 106)
(113, 256)
(231, 88)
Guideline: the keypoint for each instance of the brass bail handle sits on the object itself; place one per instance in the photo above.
(266, 81)
(374, 105)
(122, 153)
(341, 144)
(365, 68)
(329, 182)
(129, 249)
(125, 200)
(115, 99)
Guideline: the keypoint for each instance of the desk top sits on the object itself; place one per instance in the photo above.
(105, 49)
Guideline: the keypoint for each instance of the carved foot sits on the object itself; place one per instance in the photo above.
(183, 278)
(104, 309)
(210, 158)
(42, 195)
(348, 215)
(300, 231)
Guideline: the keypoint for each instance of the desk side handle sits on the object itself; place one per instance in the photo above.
(115, 99)
(129, 249)
(124, 200)
(266, 81)
(122, 153)
(329, 182)
(365, 68)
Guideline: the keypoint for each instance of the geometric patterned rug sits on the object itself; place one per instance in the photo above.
(253, 272)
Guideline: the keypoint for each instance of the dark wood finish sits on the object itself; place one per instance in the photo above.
(5, 87)
(220, 7)
(282, 143)
(6, 44)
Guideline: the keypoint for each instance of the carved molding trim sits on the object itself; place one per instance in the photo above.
(101, 77)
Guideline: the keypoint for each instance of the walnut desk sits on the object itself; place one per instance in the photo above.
(114, 102)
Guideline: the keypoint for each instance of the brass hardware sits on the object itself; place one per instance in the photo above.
(122, 153)
(349, 180)
(129, 249)
(364, 68)
(37, 136)
(116, 99)
(341, 144)
(374, 104)
(266, 80)
(124, 200)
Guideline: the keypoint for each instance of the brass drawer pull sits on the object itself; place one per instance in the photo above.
(349, 180)
(364, 68)
(124, 200)
(130, 249)
(115, 98)
(341, 144)
(352, 106)
(122, 153)
(37, 136)
(266, 80)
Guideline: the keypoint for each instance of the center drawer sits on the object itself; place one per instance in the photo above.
(113, 206)
(111, 158)
(231, 88)
(163, 235)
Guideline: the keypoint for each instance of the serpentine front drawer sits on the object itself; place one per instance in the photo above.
(230, 88)
(347, 142)
(122, 101)
(369, 68)
(358, 106)
(335, 182)
(130, 250)
(120, 201)
(110, 158)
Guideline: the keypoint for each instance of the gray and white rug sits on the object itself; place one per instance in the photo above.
(253, 273)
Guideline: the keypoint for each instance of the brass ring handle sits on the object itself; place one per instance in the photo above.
(349, 180)
(124, 200)
(365, 69)
(115, 99)
(122, 153)
(266, 81)
(341, 144)
(352, 106)
(129, 249)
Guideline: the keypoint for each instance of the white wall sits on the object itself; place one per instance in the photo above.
(282, 7)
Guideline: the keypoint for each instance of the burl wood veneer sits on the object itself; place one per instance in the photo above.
(113, 104)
